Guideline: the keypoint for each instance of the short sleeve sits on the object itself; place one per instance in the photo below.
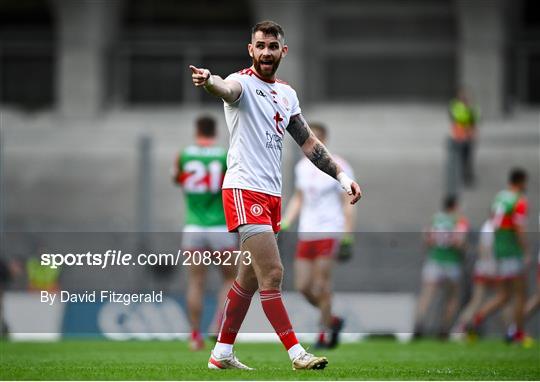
(178, 168)
(295, 106)
(520, 212)
(241, 79)
(462, 225)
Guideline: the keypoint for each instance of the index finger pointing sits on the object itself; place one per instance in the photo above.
(195, 70)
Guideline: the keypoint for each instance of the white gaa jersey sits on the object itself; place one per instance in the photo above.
(322, 203)
(257, 123)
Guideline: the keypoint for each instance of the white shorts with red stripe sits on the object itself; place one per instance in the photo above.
(251, 207)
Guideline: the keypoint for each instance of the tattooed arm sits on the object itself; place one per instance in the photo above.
(319, 155)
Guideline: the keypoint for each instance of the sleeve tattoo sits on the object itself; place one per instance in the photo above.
(299, 129)
(315, 151)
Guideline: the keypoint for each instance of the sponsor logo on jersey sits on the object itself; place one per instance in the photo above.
(260, 93)
(273, 141)
(256, 210)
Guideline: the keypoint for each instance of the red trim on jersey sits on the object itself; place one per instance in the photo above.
(517, 216)
(462, 224)
(511, 277)
(251, 72)
(182, 177)
(251, 207)
(481, 279)
(205, 141)
(179, 175)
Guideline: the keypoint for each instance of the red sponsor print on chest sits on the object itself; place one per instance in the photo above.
(278, 119)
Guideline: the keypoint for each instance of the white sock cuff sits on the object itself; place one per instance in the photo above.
(295, 351)
(222, 350)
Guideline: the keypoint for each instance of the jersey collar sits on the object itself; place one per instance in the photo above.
(261, 78)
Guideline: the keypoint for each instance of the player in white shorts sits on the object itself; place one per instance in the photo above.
(259, 108)
(484, 278)
(326, 219)
(446, 240)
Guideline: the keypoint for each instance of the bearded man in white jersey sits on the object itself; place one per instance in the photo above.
(259, 108)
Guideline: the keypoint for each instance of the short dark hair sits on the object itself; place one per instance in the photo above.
(323, 132)
(517, 176)
(206, 126)
(269, 27)
(450, 202)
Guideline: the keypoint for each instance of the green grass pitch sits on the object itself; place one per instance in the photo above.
(374, 359)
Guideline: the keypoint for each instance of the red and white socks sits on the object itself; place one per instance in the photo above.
(276, 313)
(234, 311)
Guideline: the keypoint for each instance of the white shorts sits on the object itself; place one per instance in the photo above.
(485, 269)
(510, 268)
(434, 272)
(215, 238)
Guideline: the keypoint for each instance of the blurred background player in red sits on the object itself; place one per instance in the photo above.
(325, 225)
(484, 280)
(509, 218)
(442, 270)
(200, 169)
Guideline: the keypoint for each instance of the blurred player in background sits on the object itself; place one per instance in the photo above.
(509, 218)
(200, 169)
(258, 109)
(484, 277)
(533, 304)
(484, 281)
(326, 219)
(461, 142)
(443, 268)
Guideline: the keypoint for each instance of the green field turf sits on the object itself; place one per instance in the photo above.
(375, 359)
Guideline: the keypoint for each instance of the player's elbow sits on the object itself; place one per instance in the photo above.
(309, 146)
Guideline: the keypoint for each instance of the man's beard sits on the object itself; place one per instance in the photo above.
(257, 66)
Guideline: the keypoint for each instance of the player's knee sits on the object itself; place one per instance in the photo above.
(304, 288)
(504, 295)
(273, 277)
(320, 289)
(196, 281)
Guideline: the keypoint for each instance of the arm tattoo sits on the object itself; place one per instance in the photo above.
(299, 129)
(321, 158)
(317, 154)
